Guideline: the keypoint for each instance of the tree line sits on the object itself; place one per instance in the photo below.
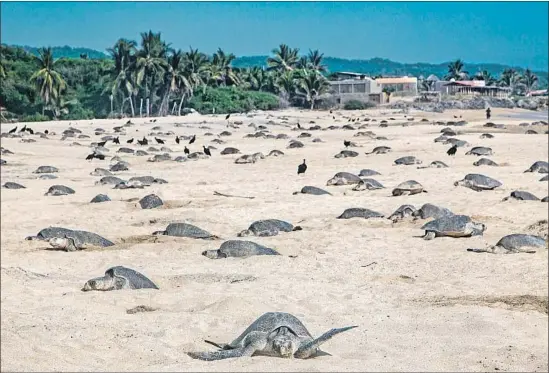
(151, 78)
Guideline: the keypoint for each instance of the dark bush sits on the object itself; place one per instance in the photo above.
(358, 105)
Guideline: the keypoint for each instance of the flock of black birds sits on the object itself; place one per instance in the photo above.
(25, 128)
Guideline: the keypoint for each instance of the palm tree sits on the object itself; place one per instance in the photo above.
(48, 82)
(124, 84)
(455, 71)
(2, 71)
(285, 84)
(221, 64)
(486, 76)
(285, 58)
(530, 80)
(151, 64)
(311, 85)
(508, 78)
(174, 79)
(315, 60)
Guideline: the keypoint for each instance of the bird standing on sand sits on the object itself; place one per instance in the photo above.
(13, 130)
(160, 141)
(452, 150)
(177, 139)
(116, 140)
(186, 150)
(207, 151)
(144, 141)
(302, 168)
(29, 130)
(46, 132)
(193, 139)
(95, 155)
(23, 129)
(346, 143)
(129, 141)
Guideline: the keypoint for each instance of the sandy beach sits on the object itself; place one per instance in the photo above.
(419, 305)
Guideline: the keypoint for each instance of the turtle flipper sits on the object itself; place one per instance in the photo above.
(309, 348)
(223, 354)
(221, 346)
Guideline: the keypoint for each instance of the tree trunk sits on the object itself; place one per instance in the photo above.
(131, 106)
(173, 107)
(312, 104)
(181, 104)
(148, 101)
(141, 108)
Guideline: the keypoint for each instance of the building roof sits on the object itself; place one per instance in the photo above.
(467, 83)
(349, 73)
(539, 92)
(433, 78)
(396, 80)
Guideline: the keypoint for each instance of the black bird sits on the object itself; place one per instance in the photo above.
(346, 143)
(177, 139)
(23, 129)
(330, 112)
(207, 151)
(452, 150)
(160, 141)
(129, 141)
(349, 120)
(90, 157)
(102, 143)
(193, 139)
(116, 140)
(13, 130)
(154, 120)
(333, 117)
(95, 155)
(186, 150)
(144, 141)
(299, 126)
(29, 130)
(46, 132)
(228, 116)
(455, 116)
(129, 122)
(302, 168)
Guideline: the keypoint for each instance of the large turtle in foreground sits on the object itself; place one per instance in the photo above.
(80, 239)
(409, 187)
(238, 249)
(478, 182)
(268, 228)
(185, 230)
(276, 334)
(515, 243)
(452, 226)
(117, 278)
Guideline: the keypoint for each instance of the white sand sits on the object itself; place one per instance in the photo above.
(405, 323)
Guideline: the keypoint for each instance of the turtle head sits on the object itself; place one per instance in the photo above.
(284, 342)
(66, 243)
(214, 254)
(100, 283)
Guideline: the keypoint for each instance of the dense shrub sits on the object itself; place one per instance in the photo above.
(226, 100)
(358, 105)
(35, 118)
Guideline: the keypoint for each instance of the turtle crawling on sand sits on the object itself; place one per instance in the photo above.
(80, 238)
(344, 178)
(267, 228)
(59, 190)
(368, 184)
(409, 187)
(515, 243)
(478, 182)
(276, 334)
(540, 166)
(358, 212)
(185, 230)
(429, 210)
(402, 212)
(452, 226)
(312, 190)
(117, 278)
(521, 196)
(238, 249)
(408, 160)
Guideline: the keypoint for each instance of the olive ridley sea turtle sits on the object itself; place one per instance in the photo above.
(238, 249)
(117, 278)
(515, 243)
(452, 226)
(478, 182)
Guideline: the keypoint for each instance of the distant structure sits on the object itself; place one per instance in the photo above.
(539, 92)
(401, 86)
(462, 87)
(361, 89)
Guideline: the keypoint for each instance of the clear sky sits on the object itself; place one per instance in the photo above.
(513, 33)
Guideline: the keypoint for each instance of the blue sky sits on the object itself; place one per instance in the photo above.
(513, 33)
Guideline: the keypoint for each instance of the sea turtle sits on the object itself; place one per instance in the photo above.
(531, 132)
(486, 136)
(276, 334)
(238, 249)
(150, 201)
(545, 199)
(249, 158)
(485, 162)
(515, 243)
(45, 170)
(344, 178)
(185, 230)
(100, 198)
(545, 178)
(160, 158)
(429, 210)
(368, 184)
(480, 150)
(275, 153)
(141, 153)
(541, 167)
(304, 134)
(346, 154)
(230, 150)
(435, 164)
(312, 190)
(409, 187)
(452, 226)
(359, 212)
(380, 150)
(441, 138)
(267, 228)
(449, 132)
(521, 196)
(134, 184)
(402, 212)
(225, 133)
(59, 190)
(457, 142)
(144, 180)
(12, 185)
(117, 278)
(109, 180)
(100, 172)
(81, 237)
(368, 172)
(408, 160)
(295, 144)
(47, 177)
(119, 166)
(126, 150)
(478, 182)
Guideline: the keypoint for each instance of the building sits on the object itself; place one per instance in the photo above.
(402, 86)
(342, 75)
(473, 88)
(365, 89)
(540, 92)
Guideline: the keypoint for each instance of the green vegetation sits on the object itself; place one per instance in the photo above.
(358, 105)
(150, 78)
